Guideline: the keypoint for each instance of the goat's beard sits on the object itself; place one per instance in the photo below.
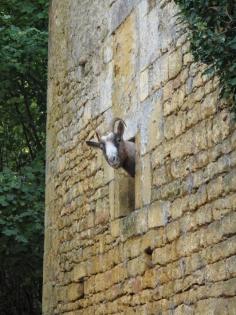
(114, 165)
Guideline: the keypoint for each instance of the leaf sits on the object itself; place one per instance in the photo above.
(233, 82)
(213, 39)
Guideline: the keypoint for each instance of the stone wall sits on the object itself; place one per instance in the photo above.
(172, 251)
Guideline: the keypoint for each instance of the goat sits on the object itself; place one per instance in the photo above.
(117, 151)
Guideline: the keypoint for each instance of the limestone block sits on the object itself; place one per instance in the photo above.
(189, 85)
(197, 81)
(122, 195)
(187, 223)
(149, 115)
(184, 310)
(156, 124)
(162, 305)
(106, 87)
(107, 51)
(158, 214)
(124, 51)
(119, 12)
(112, 199)
(143, 84)
(98, 180)
(169, 127)
(132, 248)
(208, 106)
(187, 244)
(171, 190)
(119, 273)
(216, 271)
(193, 140)
(175, 63)
(168, 91)
(153, 238)
(159, 72)
(138, 174)
(134, 224)
(159, 154)
(79, 271)
(102, 211)
(168, 26)
(203, 215)
(230, 182)
(96, 64)
(172, 230)
(136, 266)
(183, 75)
(231, 303)
(188, 58)
(109, 172)
(222, 206)
(99, 282)
(49, 297)
(160, 176)
(62, 164)
(73, 291)
(162, 256)
(112, 295)
(150, 43)
(215, 188)
(211, 306)
(229, 224)
(221, 127)
(193, 115)
(231, 264)
(115, 228)
(208, 86)
(176, 101)
(146, 179)
(180, 124)
(149, 280)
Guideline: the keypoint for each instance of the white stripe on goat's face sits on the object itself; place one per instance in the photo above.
(110, 150)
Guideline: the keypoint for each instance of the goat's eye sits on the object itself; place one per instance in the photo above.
(102, 145)
(118, 139)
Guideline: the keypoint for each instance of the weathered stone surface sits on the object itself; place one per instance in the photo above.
(146, 180)
(143, 85)
(175, 63)
(158, 214)
(121, 192)
(120, 10)
(163, 242)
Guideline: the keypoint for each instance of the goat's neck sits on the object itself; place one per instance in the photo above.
(129, 167)
(129, 162)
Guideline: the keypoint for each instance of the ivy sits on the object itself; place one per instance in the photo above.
(212, 25)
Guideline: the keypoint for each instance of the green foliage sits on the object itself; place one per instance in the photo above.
(23, 67)
(212, 25)
(21, 204)
(21, 238)
(23, 51)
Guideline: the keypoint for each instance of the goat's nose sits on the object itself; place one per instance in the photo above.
(113, 158)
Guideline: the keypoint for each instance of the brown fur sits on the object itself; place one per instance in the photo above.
(126, 149)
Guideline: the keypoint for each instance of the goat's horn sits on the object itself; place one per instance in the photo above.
(114, 120)
(96, 132)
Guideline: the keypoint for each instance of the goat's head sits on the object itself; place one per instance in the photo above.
(112, 144)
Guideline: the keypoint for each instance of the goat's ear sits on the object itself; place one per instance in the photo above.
(93, 144)
(120, 128)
